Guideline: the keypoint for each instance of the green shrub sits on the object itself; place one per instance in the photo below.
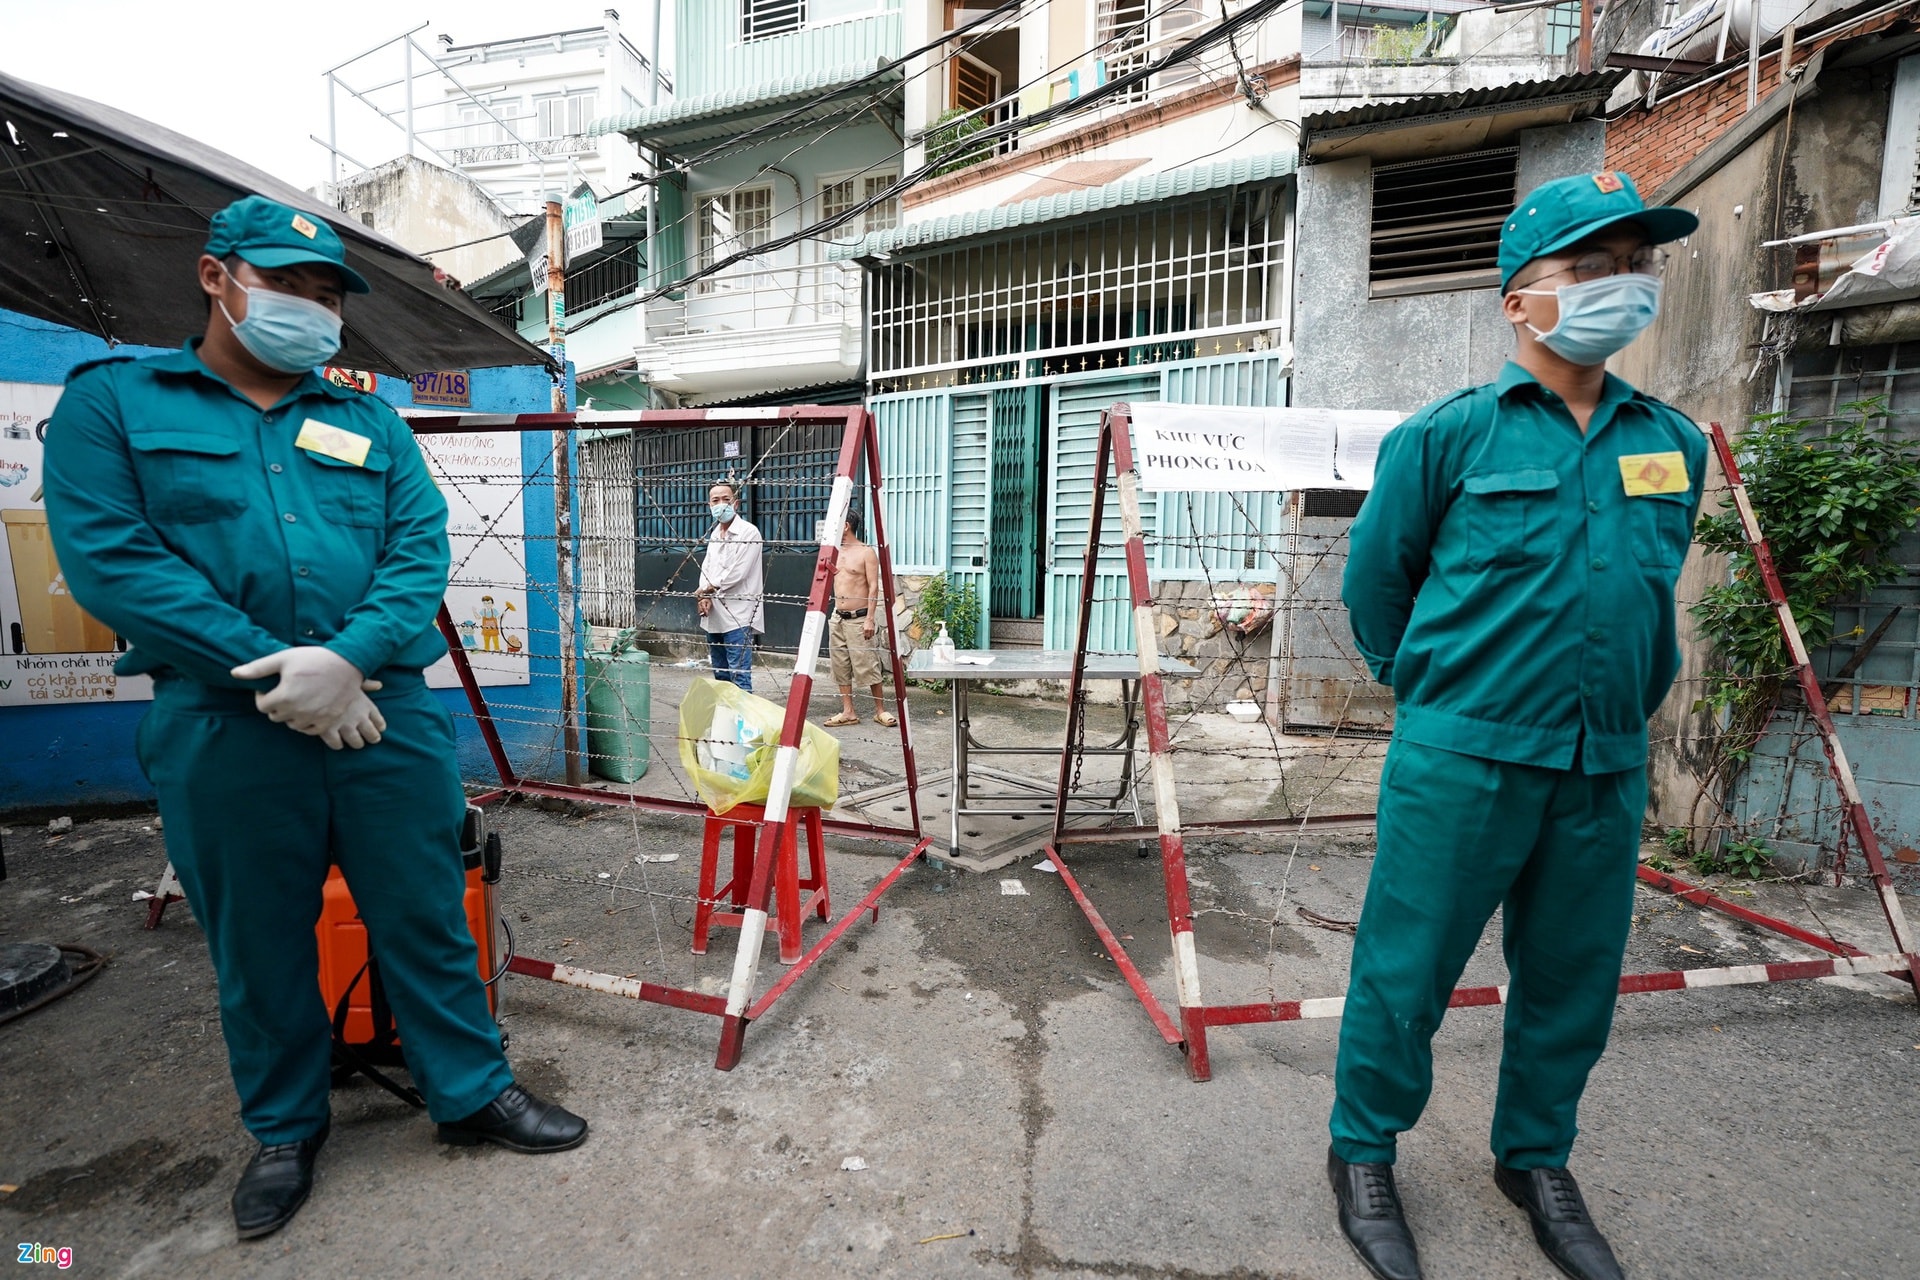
(946, 149)
(958, 607)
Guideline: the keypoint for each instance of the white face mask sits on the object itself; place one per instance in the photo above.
(284, 331)
(1599, 317)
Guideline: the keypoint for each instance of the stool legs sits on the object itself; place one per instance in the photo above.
(709, 860)
(793, 896)
(786, 892)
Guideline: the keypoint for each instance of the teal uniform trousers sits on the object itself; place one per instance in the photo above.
(255, 814)
(211, 531)
(1512, 578)
(1555, 851)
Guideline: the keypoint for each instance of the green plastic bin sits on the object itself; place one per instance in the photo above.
(619, 701)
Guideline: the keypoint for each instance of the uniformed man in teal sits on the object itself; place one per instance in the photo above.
(1512, 578)
(274, 547)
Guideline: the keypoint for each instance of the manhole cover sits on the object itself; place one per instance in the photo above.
(28, 970)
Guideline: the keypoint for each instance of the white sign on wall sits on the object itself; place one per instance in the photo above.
(480, 474)
(1212, 449)
(53, 652)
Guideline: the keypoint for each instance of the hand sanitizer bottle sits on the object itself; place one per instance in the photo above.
(943, 650)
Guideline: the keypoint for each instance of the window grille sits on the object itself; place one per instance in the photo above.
(837, 197)
(762, 18)
(732, 221)
(608, 503)
(565, 115)
(507, 311)
(1563, 28)
(612, 277)
(478, 127)
(1436, 223)
(1143, 285)
(1342, 504)
(1179, 22)
(1125, 33)
(975, 85)
(1886, 682)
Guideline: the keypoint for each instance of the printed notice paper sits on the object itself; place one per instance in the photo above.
(1212, 449)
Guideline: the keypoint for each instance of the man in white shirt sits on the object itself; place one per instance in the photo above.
(731, 587)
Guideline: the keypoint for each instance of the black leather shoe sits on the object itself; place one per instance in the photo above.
(274, 1185)
(1561, 1223)
(1371, 1218)
(518, 1121)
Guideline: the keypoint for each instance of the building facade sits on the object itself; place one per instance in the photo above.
(1807, 136)
(517, 115)
(784, 138)
(1177, 239)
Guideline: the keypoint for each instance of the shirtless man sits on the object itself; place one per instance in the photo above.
(856, 608)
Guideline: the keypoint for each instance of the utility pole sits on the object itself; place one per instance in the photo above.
(1586, 37)
(563, 491)
(407, 49)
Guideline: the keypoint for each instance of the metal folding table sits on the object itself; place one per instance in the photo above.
(1009, 665)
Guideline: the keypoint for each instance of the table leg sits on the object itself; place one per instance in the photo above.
(1130, 693)
(957, 786)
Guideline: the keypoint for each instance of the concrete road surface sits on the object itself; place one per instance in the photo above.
(1014, 1110)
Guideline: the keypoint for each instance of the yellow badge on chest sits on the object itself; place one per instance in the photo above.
(337, 442)
(1644, 473)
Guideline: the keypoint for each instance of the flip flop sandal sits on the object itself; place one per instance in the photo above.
(886, 718)
(839, 719)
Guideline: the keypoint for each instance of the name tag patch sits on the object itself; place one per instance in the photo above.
(349, 447)
(1644, 473)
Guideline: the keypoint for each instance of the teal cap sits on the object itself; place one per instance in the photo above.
(270, 234)
(1566, 211)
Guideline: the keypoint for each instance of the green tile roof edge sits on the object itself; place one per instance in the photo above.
(691, 110)
(1148, 188)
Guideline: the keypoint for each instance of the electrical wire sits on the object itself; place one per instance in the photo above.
(1253, 14)
(961, 146)
(798, 119)
(813, 139)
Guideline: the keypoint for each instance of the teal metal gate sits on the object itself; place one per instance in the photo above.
(1018, 513)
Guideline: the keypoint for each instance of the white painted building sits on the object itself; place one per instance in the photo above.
(518, 120)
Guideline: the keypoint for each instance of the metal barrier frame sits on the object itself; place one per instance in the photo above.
(738, 1007)
(1188, 1029)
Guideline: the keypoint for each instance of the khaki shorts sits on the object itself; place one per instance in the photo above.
(858, 662)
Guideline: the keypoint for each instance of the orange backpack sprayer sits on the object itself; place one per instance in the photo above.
(364, 1036)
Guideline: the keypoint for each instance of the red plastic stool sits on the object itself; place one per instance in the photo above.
(789, 904)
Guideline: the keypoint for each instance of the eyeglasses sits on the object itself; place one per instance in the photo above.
(1647, 260)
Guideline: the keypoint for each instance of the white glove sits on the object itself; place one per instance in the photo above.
(360, 726)
(318, 693)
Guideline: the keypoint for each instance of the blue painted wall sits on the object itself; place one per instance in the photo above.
(82, 755)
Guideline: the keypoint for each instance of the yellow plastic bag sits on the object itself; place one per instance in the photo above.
(727, 742)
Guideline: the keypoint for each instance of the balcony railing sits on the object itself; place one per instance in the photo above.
(574, 144)
(754, 297)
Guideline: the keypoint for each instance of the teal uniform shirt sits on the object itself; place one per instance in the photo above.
(186, 516)
(196, 524)
(1504, 582)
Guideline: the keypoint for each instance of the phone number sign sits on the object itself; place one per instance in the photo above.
(449, 388)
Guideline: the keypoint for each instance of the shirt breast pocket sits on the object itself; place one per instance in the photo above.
(189, 477)
(1512, 518)
(353, 494)
(1661, 524)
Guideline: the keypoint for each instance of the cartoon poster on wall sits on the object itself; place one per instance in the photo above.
(52, 651)
(480, 474)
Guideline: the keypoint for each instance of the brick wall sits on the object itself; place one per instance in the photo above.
(1654, 145)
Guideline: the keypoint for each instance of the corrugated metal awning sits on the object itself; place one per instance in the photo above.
(1148, 188)
(716, 115)
(1576, 93)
